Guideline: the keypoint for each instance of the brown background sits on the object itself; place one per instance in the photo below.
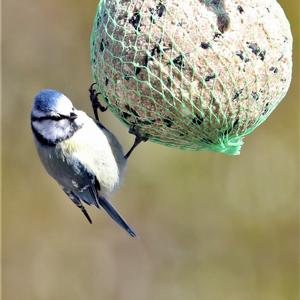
(210, 226)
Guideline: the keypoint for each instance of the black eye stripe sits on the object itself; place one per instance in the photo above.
(54, 118)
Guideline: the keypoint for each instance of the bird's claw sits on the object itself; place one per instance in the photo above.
(135, 130)
(139, 137)
(95, 101)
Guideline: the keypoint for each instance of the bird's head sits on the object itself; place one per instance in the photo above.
(53, 117)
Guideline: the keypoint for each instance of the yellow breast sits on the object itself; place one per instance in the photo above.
(90, 146)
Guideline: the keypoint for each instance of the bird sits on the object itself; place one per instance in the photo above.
(79, 152)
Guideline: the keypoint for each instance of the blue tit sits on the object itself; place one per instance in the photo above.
(84, 157)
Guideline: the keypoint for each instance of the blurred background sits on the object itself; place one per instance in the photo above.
(210, 226)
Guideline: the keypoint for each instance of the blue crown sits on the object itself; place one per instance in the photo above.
(47, 99)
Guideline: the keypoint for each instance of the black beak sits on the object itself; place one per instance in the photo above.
(72, 116)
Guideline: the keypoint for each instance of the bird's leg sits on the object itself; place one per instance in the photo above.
(84, 211)
(138, 139)
(95, 101)
(78, 203)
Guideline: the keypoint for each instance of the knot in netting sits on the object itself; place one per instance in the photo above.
(193, 74)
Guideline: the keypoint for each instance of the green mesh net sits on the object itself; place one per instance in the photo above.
(195, 74)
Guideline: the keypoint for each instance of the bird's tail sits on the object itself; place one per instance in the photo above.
(106, 205)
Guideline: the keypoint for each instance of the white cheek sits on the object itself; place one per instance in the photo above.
(37, 126)
(44, 128)
(52, 129)
(61, 128)
(49, 129)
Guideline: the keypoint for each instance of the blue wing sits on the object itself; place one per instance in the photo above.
(90, 195)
